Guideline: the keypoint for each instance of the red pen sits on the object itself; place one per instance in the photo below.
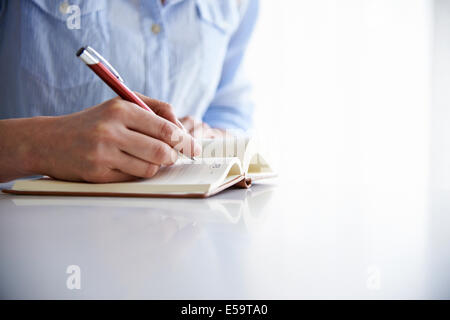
(112, 78)
(109, 75)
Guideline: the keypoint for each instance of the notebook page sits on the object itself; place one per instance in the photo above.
(183, 176)
(188, 172)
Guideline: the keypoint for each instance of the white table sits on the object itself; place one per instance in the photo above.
(282, 239)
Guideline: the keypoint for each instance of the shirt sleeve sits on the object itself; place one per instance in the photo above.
(231, 107)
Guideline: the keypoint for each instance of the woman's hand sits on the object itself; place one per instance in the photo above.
(201, 130)
(111, 142)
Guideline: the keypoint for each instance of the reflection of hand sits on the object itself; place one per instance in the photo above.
(113, 141)
(199, 129)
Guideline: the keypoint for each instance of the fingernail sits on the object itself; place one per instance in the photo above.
(181, 125)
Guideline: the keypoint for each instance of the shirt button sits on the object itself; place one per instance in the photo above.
(63, 7)
(156, 28)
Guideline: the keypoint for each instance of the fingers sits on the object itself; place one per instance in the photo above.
(189, 123)
(147, 148)
(107, 176)
(163, 130)
(117, 176)
(200, 129)
(217, 133)
(130, 165)
(162, 109)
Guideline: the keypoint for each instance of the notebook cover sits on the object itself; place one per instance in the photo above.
(240, 182)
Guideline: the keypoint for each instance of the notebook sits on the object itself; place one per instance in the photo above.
(225, 163)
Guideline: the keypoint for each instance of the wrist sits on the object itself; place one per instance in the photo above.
(34, 145)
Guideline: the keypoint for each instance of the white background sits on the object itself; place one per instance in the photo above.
(353, 96)
(343, 89)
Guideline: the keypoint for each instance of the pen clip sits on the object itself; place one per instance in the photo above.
(105, 62)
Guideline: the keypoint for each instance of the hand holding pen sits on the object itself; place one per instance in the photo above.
(114, 141)
(111, 77)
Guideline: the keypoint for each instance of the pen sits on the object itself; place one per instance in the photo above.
(112, 78)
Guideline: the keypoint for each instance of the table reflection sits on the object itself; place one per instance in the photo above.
(228, 207)
(129, 247)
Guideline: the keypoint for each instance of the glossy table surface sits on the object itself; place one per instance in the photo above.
(281, 239)
(361, 208)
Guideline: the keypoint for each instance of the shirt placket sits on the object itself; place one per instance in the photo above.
(156, 55)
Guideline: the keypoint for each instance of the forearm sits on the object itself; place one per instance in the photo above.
(20, 141)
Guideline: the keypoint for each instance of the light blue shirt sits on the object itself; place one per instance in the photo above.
(187, 52)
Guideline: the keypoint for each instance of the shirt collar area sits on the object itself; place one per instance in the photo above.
(169, 3)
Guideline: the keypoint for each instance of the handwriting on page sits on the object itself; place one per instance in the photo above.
(186, 172)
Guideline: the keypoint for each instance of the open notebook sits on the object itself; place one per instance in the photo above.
(224, 163)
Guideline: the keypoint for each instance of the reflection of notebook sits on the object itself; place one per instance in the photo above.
(224, 163)
(225, 208)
